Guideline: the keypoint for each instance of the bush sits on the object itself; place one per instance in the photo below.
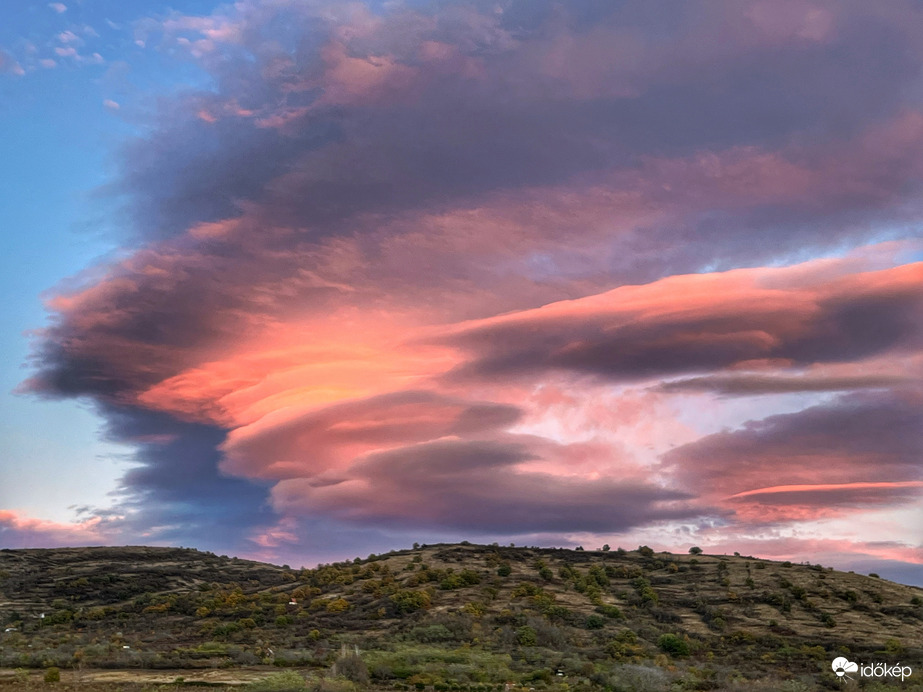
(625, 645)
(408, 601)
(53, 675)
(610, 611)
(338, 605)
(595, 622)
(457, 580)
(526, 636)
(673, 645)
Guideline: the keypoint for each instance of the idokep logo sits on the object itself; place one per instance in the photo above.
(842, 666)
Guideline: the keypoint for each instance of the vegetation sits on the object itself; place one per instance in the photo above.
(443, 618)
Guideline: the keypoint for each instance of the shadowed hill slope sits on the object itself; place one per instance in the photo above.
(455, 615)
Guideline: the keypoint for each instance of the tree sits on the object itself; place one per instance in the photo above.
(606, 548)
(695, 550)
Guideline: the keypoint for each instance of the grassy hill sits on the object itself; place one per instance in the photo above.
(460, 617)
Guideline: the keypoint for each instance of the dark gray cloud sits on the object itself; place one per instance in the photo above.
(868, 437)
(475, 486)
(175, 492)
(751, 384)
(596, 87)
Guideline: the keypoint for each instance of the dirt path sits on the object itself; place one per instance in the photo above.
(224, 676)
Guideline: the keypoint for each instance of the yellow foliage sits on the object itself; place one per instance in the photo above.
(337, 605)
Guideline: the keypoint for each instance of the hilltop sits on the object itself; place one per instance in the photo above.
(458, 616)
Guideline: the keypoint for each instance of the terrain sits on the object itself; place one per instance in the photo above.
(447, 617)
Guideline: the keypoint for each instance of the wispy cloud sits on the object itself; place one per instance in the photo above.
(9, 65)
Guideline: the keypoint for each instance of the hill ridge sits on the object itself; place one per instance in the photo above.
(514, 607)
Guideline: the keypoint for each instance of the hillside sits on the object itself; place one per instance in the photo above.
(459, 616)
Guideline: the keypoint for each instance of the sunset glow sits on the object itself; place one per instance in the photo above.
(557, 274)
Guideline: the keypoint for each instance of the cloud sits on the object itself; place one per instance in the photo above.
(9, 65)
(477, 268)
(281, 446)
(860, 450)
(58, 7)
(175, 492)
(469, 92)
(475, 485)
(748, 385)
(702, 322)
(20, 531)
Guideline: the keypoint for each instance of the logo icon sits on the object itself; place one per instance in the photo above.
(841, 665)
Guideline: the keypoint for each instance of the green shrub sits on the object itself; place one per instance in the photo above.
(52, 675)
(526, 636)
(595, 622)
(673, 645)
(646, 593)
(457, 580)
(610, 611)
(625, 645)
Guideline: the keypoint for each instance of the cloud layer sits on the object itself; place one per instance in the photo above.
(365, 270)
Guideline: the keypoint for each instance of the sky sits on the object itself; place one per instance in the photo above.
(300, 281)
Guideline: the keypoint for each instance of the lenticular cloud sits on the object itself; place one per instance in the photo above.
(515, 270)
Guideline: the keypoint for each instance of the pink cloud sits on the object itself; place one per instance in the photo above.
(420, 234)
(706, 321)
(19, 531)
